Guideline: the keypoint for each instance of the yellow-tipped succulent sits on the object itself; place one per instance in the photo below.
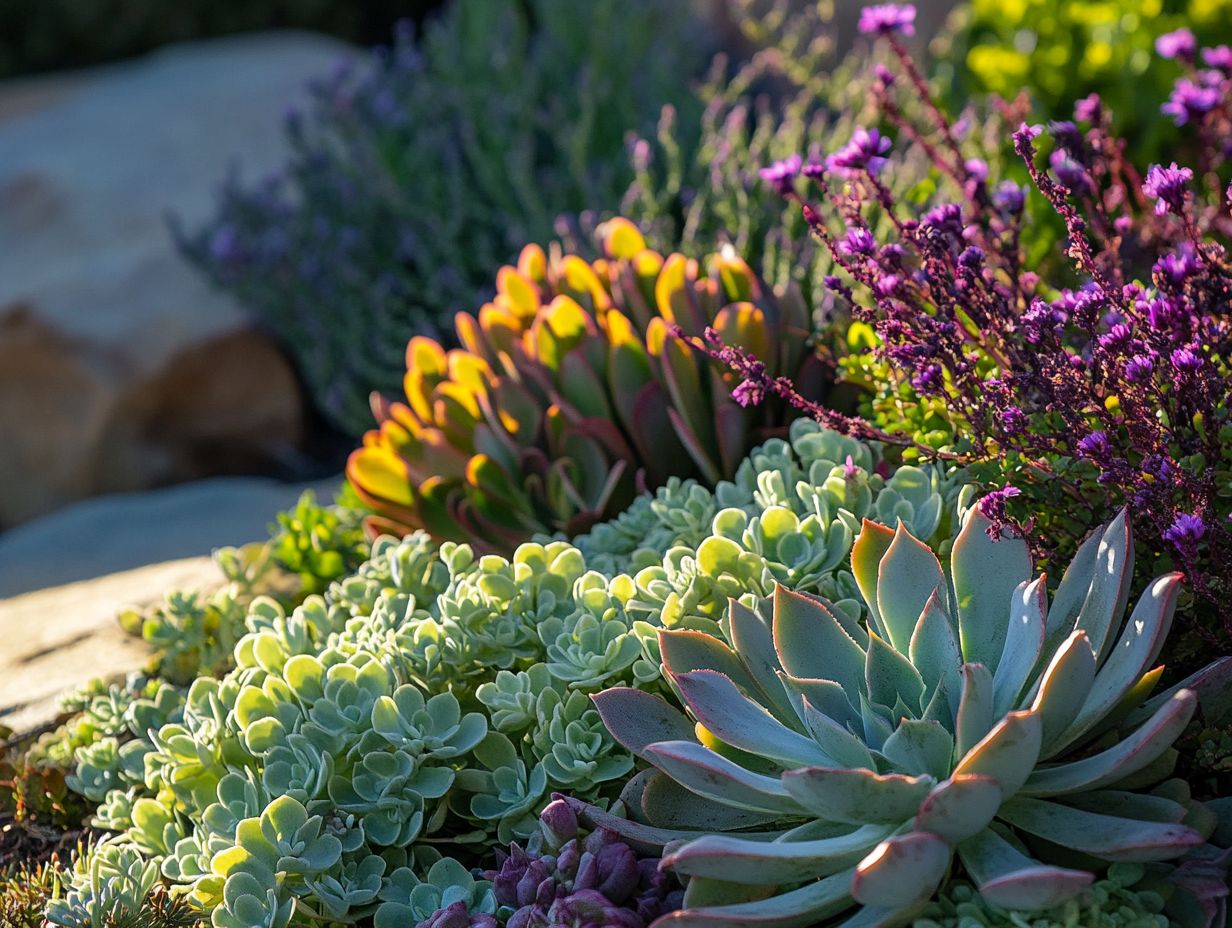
(571, 392)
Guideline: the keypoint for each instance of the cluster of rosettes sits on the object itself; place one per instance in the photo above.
(306, 775)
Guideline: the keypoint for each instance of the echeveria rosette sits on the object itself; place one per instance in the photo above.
(572, 391)
(111, 880)
(968, 721)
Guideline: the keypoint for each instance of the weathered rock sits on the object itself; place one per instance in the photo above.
(117, 533)
(59, 638)
(119, 368)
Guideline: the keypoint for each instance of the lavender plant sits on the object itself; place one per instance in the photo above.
(414, 175)
(1070, 392)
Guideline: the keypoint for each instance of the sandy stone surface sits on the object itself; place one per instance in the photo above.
(58, 638)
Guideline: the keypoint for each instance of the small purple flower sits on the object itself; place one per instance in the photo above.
(992, 506)
(1185, 533)
(888, 18)
(885, 75)
(976, 168)
(1009, 197)
(1071, 173)
(1180, 44)
(1178, 266)
(865, 152)
(1139, 368)
(1014, 420)
(1168, 186)
(1218, 57)
(858, 241)
(749, 393)
(1190, 101)
(814, 169)
(1095, 446)
(1186, 361)
(1089, 109)
(929, 379)
(782, 174)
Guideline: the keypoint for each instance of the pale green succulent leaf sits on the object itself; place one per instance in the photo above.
(1104, 836)
(934, 649)
(1008, 878)
(907, 576)
(811, 642)
(1063, 689)
(1072, 591)
(636, 718)
(735, 719)
(901, 871)
(1024, 641)
(867, 551)
(920, 747)
(889, 678)
(738, 860)
(753, 640)
(685, 650)
(835, 740)
(663, 803)
(799, 908)
(1124, 759)
(1138, 647)
(826, 696)
(1125, 804)
(1009, 752)
(855, 796)
(713, 776)
(974, 717)
(1109, 594)
(985, 574)
(1212, 683)
(960, 807)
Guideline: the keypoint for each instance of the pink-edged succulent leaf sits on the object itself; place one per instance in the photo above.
(739, 860)
(713, 776)
(1008, 753)
(637, 719)
(1009, 878)
(1104, 836)
(901, 871)
(1024, 641)
(907, 576)
(855, 796)
(986, 573)
(959, 808)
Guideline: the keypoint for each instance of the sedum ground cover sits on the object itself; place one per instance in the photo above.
(840, 542)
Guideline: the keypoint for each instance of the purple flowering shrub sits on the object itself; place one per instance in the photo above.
(568, 877)
(1071, 388)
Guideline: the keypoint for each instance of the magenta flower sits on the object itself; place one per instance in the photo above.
(1190, 101)
(1220, 57)
(1168, 187)
(1180, 44)
(865, 152)
(782, 174)
(888, 18)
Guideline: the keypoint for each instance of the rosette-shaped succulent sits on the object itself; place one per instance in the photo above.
(572, 392)
(970, 724)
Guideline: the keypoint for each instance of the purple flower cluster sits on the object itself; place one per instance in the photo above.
(888, 19)
(1117, 391)
(567, 877)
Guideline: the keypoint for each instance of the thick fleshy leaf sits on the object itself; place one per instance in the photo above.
(1116, 763)
(1008, 878)
(907, 576)
(1064, 688)
(738, 860)
(920, 747)
(1109, 593)
(635, 718)
(753, 640)
(826, 697)
(1104, 836)
(834, 738)
(934, 649)
(812, 644)
(1138, 647)
(1124, 804)
(684, 650)
(901, 871)
(715, 777)
(664, 803)
(735, 719)
(889, 677)
(1008, 754)
(1072, 591)
(974, 717)
(867, 551)
(985, 574)
(800, 908)
(1212, 683)
(1024, 640)
(857, 796)
(960, 808)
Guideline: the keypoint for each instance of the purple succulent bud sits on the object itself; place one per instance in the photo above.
(1179, 44)
(613, 872)
(1190, 101)
(865, 152)
(1168, 186)
(887, 19)
(457, 916)
(558, 822)
(781, 175)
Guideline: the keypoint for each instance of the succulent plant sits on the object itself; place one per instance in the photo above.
(320, 544)
(571, 392)
(110, 880)
(968, 720)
